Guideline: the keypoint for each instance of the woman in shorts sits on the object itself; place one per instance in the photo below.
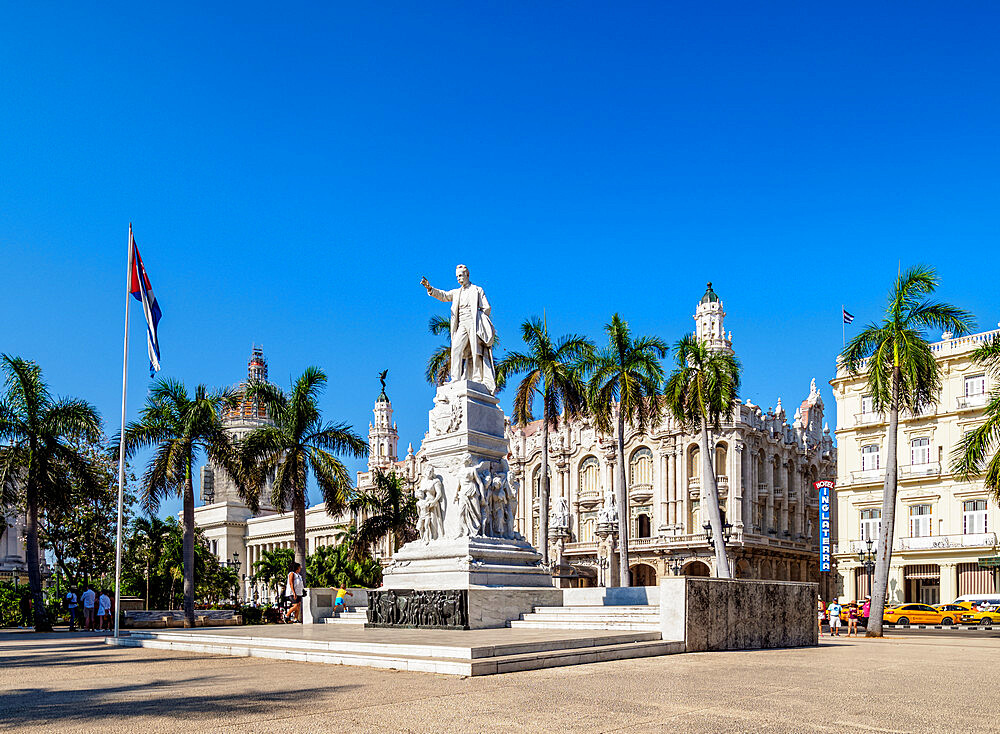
(852, 619)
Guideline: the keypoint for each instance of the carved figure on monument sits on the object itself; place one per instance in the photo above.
(472, 331)
(560, 514)
(608, 512)
(469, 496)
(430, 507)
(446, 416)
(510, 507)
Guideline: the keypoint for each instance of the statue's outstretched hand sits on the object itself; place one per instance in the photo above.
(425, 284)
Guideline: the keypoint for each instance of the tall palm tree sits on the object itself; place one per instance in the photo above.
(900, 373)
(701, 391)
(624, 387)
(40, 456)
(386, 509)
(972, 457)
(180, 428)
(299, 440)
(554, 373)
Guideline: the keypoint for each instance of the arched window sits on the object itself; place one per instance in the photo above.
(641, 467)
(920, 450)
(586, 530)
(721, 460)
(694, 462)
(590, 476)
(381, 449)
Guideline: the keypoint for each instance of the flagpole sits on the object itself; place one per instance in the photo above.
(121, 442)
(843, 328)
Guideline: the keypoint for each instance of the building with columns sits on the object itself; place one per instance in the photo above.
(943, 525)
(765, 470)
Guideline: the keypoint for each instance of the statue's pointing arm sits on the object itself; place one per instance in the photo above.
(435, 292)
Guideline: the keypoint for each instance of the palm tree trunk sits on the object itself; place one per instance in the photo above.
(621, 499)
(299, 521)
(32, 555)
(710, 492)
(188, 549)
(543, 493)
(884, 549)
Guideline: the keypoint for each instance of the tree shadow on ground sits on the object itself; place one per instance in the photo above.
(160, 698)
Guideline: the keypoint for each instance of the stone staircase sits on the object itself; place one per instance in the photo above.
(351, 616)
(644, 618)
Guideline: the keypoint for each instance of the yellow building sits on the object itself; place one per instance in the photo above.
(943, 526)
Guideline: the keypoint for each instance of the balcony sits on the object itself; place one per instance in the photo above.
(779, 491)
(763, 488)
(918, 471)
(694, 485)
(942, 542)
(868, 419)
(640, 492)
(868, 476)
(968, 402)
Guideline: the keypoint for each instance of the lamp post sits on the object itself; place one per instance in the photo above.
(727, 530)
(675, 564)
(867, 559)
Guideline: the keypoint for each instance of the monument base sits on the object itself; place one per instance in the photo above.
(450, 609)
(462, 563)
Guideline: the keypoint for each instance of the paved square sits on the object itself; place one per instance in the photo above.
(912, 683)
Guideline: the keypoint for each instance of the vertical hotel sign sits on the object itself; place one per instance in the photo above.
(825, 488)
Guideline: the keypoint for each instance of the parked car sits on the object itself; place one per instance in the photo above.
(984, 612)
(953, 612)
(917, 614)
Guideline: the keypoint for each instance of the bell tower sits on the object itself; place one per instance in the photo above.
(382, 434)
(709, 319)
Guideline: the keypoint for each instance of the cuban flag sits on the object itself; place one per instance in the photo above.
(140, 287)
(848, 317)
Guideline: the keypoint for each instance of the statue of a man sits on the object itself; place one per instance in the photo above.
(471, 330)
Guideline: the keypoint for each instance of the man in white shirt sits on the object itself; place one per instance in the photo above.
(104, 611)
(71, 604)
(88, 598)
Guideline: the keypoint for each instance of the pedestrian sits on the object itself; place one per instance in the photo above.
(88, 598)
(834, 610)
(72, 602)
(865, 609)
(852, 619)
(293, 590)
(822, 613)
(104, 611)
(340, 603)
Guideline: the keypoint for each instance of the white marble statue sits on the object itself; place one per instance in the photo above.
(560, 514)
(469, 495)
(510, 507)
(430, 507)
(471, 330)
(608, 512)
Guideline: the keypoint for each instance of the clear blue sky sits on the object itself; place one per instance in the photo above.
(292, 174)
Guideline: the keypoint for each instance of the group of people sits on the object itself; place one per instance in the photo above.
(295, 591)
(856, 611)
(96, 609)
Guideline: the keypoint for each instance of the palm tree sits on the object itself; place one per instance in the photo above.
(41, 456)
(972, 456)
(439, 364)
(387, 509)
(701, 391)
(624, 386)
(149, 533)
(900, 373)
(554, 372)
(343, 563)
(181, 427)
(299, 440)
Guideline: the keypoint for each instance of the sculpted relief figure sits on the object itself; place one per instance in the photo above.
(560, 514)
(609, 512)
(469, 496)
(430, 507)
(471, 330)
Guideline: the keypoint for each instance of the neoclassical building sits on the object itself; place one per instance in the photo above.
(944, 526)
(765, 470)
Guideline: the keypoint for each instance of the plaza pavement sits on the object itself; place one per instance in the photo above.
(912, 683)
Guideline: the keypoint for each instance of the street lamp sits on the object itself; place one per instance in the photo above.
(867, 559)
(675, 564)
(727, 530)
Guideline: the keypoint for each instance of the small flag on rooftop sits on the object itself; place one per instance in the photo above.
(848, 318)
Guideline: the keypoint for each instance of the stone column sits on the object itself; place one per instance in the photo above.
(786, 470)
(672, 487)
(769, 480)
(850, 582)
(736, 486)
(948, 582)
(661, 491)
(682, 489)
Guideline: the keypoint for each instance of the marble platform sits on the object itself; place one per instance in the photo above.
(472, 652)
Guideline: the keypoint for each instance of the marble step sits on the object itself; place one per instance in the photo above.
(396, 659)
(610, 612)
(591, 617)
(582, 625)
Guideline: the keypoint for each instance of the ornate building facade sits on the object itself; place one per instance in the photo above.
(765, 470)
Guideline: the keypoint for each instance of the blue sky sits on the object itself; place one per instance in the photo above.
(292, 174)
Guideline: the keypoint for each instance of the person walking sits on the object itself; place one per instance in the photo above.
(88, 598)
(821, 609)
(293, 590)
(852, 619)
(834, 610)
(865, 609)
(104, 611)
(72, 602)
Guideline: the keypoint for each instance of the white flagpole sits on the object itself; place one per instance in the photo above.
(121, 443)
(843, 328)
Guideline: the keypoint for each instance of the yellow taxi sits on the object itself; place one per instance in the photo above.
(917, 614)
(954, 611)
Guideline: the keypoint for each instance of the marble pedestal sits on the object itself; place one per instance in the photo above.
(466, 428)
